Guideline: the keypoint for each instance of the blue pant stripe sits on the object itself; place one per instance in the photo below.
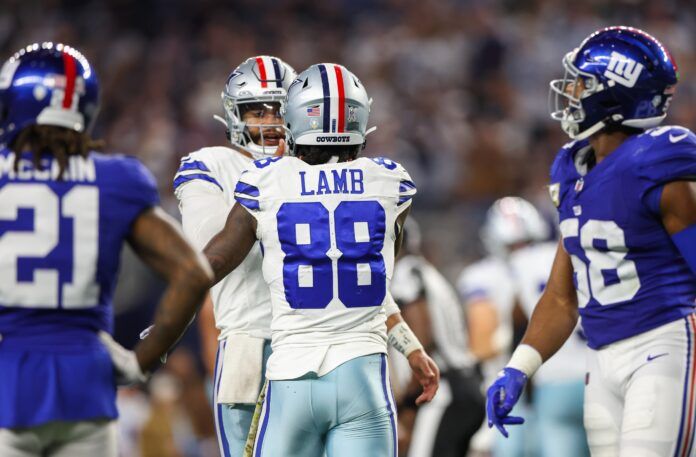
(385, 389)
(219, 426)
(259, 443)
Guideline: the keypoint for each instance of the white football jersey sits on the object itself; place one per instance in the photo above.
(414, 278)
(328, 234)
(531, 267)
(205, 186)
(490, 280)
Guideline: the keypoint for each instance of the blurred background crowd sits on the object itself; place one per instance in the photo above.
(460, 99)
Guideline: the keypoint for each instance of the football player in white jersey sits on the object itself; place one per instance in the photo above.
(204, 186)
(489, 293)
(330, 224)
(557, 395)
(430, 305)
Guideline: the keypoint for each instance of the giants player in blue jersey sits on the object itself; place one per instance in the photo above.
(626, 199)
(65, 213)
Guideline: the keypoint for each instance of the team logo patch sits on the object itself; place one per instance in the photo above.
(623, 70)
(555, 193)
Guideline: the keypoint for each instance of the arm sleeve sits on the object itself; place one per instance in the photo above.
(204, 211)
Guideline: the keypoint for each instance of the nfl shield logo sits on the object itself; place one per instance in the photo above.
(579, 184)
(555, 193)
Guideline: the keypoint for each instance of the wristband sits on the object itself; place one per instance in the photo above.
(525, 359)
(403, 340)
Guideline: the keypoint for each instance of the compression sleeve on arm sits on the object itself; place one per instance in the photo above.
(686, 243)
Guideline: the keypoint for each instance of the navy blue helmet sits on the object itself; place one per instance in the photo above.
(46, 84)
(618, 76)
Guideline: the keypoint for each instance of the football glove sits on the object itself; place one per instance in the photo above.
(502, 396)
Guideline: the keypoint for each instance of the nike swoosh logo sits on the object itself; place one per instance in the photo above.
(676, 138)
(653, 357)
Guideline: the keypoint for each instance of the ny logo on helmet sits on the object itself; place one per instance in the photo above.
(623, 70)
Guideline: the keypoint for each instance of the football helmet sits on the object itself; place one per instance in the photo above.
(327, 105)
(261, 79)
(510, 221)
(618, 76)
(47, 84)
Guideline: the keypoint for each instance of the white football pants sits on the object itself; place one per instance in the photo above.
(61, 439)
(639, 394)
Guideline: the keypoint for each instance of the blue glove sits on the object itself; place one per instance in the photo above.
(501, 398)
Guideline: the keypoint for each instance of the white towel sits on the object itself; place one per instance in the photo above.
(242, 363)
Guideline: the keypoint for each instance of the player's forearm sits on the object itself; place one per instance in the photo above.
(231, 245)
(177, 308)
(552, 323)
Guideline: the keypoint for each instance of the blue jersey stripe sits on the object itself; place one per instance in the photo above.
(276, 70)
(404, 199)
(247, 189)
(247, 202)
(193, 165)
(182, 179)
(327, 97)
(406, 186)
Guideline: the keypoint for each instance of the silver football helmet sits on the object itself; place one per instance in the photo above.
(510, 221)
(327, 105)
(263, 80)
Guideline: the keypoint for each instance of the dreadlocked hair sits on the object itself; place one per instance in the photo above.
(59, 142)
(317, 155)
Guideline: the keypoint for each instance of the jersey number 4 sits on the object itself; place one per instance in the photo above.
(608, 276)
(329, 255)
(28, 278)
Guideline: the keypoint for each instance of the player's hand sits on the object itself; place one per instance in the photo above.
(426, 373)
(502, 396)
(126, 365)
(281, 149)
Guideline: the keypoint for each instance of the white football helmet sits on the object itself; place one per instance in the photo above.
(327, 105)
(261, 79)
(510, 221)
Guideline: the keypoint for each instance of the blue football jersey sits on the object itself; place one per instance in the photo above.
(629, 276)
(60, 244)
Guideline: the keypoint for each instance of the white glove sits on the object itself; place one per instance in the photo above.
(126, 365)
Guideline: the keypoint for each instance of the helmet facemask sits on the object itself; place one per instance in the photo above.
(239, 131)
(565, 103)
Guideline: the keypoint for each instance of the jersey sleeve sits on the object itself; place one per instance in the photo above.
(137, 188)
(193, 168)
(671, 158)
(474, 285)
(247, 192)
(407, 188)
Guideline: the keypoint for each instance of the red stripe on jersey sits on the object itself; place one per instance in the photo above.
(341, 100)
(70, 72)
(689, 431)
(262, 71)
